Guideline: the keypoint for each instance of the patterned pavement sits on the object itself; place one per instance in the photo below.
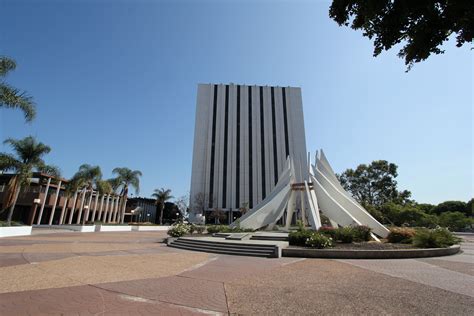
(134, 273)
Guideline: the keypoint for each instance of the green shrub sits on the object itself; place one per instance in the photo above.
(402, 235)
(455, 221)
(328, 231)
(345, 235)
(212, 229)
(319, 241)
(434, 238)
(300, 225)
(13, 223)
(178, 230)
(192, 228)
(361, 233)
(298, 238)
(200, 229)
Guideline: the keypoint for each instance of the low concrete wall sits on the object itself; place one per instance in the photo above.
(77, 228)
(369, 254)
(146, 228)
(15, 231)
(113, 228)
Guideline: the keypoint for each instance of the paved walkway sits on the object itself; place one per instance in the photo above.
(133, 273)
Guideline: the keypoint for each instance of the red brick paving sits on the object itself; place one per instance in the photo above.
(229, 284)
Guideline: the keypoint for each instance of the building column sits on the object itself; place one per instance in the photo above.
(95, 205)
(122, 214)
(73, 208)
(104, 215)
(111, 207)
(55, 202)
(40, 215)
(116, 209)
(63, 210)
(99, 216)
(79, 215)
(86, 215)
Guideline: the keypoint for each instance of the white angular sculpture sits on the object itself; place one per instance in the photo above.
(321, 191)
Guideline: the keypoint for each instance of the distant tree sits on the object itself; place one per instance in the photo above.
(11, 97)
(27, 159)
(420, 25)
(198, 205)
(406, 215)
(244, 208)
(449, 206)
(218, 214)
(455, 221)
(425, 207)
(182, 205)
(469, 211)
(374, 184)
(162, 196)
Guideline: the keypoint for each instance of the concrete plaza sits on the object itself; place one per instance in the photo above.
(134, 273)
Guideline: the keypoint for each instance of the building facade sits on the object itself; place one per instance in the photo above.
(46, 201)
(242, 138)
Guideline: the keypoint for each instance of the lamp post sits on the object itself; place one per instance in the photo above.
(36, 202)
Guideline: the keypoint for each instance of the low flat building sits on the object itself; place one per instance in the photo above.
(46, 202)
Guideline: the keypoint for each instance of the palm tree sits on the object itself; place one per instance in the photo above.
(28, 158)
(11, 97)
(125, 178)
(161, 196)
(87, 178)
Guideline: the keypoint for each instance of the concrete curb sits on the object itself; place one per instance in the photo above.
(370, 254)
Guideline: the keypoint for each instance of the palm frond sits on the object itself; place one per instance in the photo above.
(6, 65)
(8, 162)
(13, 98)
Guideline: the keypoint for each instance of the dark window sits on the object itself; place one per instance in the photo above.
(213, 148)
(237, 153)
(262, 142)
(226, 129)
(250, 151)
(275, 152)
(285, 120)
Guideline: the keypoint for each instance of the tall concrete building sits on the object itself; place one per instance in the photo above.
(242, 138)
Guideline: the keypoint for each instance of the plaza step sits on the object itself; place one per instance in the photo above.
(223, 247)
(275, 238)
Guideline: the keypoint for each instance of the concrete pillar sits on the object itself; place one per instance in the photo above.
(111, 207)
(104, 215)
(99, 216)
(55, 202)
(116, 209)
(73, 208)
(79, 215)
(86, 215)
(63, 210)
(40, 215)
(95, 205)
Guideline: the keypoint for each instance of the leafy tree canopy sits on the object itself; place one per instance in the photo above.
(449, 206)
(374, 184)
(421, 25)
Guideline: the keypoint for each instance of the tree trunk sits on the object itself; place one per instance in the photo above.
(12, 207)
(162, 207)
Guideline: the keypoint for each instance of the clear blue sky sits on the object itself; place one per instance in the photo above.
(115, 85)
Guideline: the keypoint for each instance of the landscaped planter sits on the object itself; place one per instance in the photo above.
(113, 228)
(370, 254)
(15, 231)
(146, 228)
